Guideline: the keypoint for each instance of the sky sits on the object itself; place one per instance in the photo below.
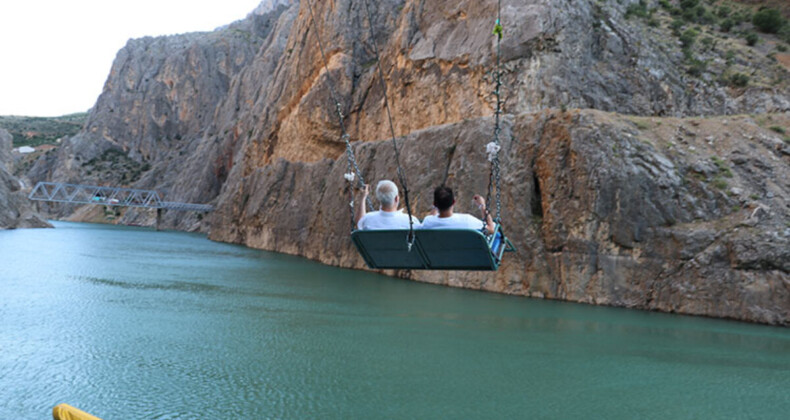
(55, 55)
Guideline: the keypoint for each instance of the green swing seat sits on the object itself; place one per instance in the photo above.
(439, 249)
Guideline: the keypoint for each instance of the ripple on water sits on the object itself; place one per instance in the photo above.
(168, 325)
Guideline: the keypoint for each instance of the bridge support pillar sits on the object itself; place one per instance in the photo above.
(158, 218)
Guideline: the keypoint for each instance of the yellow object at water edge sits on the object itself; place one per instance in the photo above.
(67, 412)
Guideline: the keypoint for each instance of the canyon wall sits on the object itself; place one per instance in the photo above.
(152, 126)
(680, 215)
(15, 209)
(629, 211)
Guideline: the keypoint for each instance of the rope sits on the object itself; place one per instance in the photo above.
(493, 148)
(401, 174)
(353, 172)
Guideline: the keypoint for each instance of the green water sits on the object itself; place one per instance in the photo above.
(127, 323)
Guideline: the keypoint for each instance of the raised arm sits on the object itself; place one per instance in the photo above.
(361, 207)
(486, 216)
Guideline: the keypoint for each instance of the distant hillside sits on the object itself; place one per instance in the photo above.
(781, 5)
(35, 131)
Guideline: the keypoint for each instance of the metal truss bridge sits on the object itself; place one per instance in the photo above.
(109, 196)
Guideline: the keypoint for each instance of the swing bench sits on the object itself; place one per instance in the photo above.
(434, 249)
(430, 249)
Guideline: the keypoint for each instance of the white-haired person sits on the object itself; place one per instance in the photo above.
(389, 216)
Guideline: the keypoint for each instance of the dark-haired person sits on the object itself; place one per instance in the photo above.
(444, 201)
(388, 217)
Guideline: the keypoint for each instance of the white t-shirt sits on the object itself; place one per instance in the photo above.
(380, 220)
(456, 221)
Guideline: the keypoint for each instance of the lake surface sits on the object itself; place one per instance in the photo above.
(128, 323)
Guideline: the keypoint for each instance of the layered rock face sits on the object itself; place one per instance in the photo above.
(438, 63)
(686, 216)
(15, 209)
(154, 117)
(604, 209)
(601, 214)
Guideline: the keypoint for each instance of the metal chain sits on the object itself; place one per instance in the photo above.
(401, 174)
(494, 176)
(350, 156)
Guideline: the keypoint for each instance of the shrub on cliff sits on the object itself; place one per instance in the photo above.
(730, 57)
(676, 26)
(694, 14)
(784, 33)
(726, 25)
(768, 20)
(696, 67)
(739, 80)
(688, 37)
(638, 9)
(751, 39)
(688, 4)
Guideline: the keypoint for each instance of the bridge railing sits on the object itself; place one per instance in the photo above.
(108, 196)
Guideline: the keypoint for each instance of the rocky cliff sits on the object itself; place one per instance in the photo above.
(679, 215)
(663, 209)
(15, 209)
(150, 127)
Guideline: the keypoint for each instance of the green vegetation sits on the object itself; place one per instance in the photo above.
(722, 166)
(720, 183)
(116, 165)
(752, 39)
(708, 43)
(693, 11)
(696, 67)
(639, 10)
(726, 25)
(35, 131)
(768, 20)
(778, 129)
(676, 26)
(692, 18)
(742, 15)
(696, 23)
(739, 80)
(784, 33)
(653, 22)
(730, 57)
(642, 125)
(688, 37)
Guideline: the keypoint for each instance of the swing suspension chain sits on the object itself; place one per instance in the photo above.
(494, 177)
(401, 174)
(351, 164)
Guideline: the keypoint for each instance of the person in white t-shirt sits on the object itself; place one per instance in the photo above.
(388, 217)
(445, 218)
